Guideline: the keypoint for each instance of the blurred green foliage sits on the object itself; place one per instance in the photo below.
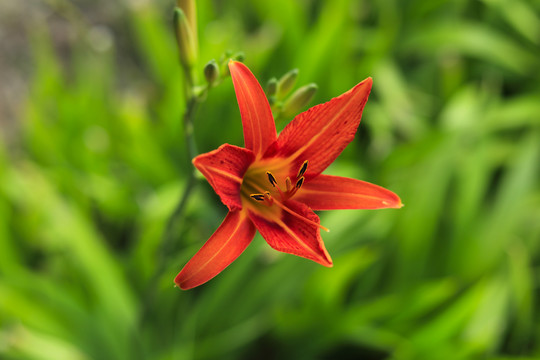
(91, 173)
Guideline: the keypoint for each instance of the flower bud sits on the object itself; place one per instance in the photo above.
(189, 8)
(286, 83)
(186, 38)
(239, 56)
(211, 72)
(298, 100)
(271, 87)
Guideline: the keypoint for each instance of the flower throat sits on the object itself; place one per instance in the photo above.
(251, 187)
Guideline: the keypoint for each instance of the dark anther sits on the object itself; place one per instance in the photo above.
(258, 197)
(299, 182)
(302, 169)
(271, 178)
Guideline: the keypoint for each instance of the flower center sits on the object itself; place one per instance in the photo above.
(261, 190)
(256, 185)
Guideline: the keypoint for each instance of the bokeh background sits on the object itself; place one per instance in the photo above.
(93, 163)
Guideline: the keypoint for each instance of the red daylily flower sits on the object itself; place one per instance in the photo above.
(274, 183)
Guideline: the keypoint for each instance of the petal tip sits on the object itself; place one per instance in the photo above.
(178, 282)
(326, 259)
(323, 259)
(368, 82)
(393, 201)
(398, 204)
(328, 264)
(184, 282)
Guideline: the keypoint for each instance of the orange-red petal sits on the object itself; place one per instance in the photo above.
(224, 169)
(321, 133)
(224, 246)
(257, 119)
(326, 192)
(291, 234)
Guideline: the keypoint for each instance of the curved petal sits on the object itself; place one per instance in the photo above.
(224, 246)
(257, 119)
(297, 235)
(326, 192)
(321, 133)
(224, 169)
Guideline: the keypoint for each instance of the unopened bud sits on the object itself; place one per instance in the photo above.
(189, 8)
(286, 83)
(239, 56)
(186, 38)
(211, 72)
(271, 87)
(299, 99)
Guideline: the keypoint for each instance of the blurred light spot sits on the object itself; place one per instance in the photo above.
(96, 139)
(138, 4)
(100, 38)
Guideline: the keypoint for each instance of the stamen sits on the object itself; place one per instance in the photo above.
(271, 178)
(269, 199)
(265, 198)
(258, 197)
(302, 169)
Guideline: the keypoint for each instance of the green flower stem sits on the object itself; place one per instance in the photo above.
(191, 149)
(188, 128)
(192, 100)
